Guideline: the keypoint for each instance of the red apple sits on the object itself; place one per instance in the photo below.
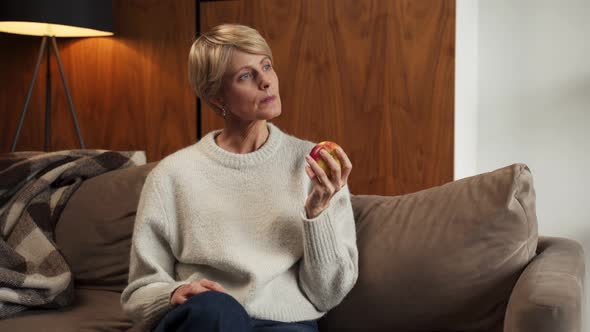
(331, 148)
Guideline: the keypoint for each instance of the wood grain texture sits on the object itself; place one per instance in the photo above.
(130, 91)
(17, 62)
(375, 76)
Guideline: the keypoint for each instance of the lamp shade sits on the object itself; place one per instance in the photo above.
(59, 18)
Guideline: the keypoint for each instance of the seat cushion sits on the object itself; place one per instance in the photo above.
(95, 228)
(92, 310)
(443, 259)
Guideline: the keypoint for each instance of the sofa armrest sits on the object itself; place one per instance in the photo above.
(548, 296)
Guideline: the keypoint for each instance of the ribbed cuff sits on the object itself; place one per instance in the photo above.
(320, 240)
(160, 304)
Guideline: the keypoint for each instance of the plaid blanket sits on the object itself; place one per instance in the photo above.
(34, 189)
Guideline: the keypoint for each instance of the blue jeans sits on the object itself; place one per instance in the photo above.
(214, 311)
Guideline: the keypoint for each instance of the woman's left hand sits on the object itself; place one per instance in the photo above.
(324, 187)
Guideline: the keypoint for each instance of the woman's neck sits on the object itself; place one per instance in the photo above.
(243, 138)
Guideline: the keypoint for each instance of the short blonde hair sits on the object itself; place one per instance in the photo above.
(211, 52)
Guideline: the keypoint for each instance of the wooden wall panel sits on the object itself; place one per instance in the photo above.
(131, 91)
(17, 61)
(375, 76)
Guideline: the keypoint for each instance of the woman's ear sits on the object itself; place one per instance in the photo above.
(217, 101)
(217, 105)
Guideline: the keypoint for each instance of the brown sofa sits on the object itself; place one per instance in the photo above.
(464, 256)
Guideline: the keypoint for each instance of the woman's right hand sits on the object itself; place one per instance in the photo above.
(184, 292)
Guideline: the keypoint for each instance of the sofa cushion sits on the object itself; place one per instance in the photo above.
(92, 310)
(95, 228)
(445, 258)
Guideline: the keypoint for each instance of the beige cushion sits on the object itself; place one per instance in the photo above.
(445, 258)
(95, 228)
(92, 310)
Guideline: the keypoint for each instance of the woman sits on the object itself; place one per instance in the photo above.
(237, 232)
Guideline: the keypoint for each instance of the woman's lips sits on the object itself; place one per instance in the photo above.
(268, 99)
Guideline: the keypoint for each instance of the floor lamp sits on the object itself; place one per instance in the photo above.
(50, 19)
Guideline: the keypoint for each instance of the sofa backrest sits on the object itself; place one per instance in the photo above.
(95, 228)
(442, 259)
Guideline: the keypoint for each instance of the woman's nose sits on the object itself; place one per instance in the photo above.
(264, 82)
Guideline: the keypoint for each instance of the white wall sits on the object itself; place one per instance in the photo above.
(466, 89)
(533, 103)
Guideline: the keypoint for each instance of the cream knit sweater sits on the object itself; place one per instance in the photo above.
(239, 219)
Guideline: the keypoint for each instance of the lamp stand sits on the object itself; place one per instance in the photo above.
(46, 46)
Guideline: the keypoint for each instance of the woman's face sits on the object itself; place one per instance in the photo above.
(251, 87)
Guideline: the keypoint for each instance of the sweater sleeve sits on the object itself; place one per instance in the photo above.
(329, 267)
(146, 299)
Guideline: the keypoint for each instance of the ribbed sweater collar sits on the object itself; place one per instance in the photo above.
(238, 160)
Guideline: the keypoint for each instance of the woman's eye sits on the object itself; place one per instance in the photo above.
(266, 67)
(245, 76)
